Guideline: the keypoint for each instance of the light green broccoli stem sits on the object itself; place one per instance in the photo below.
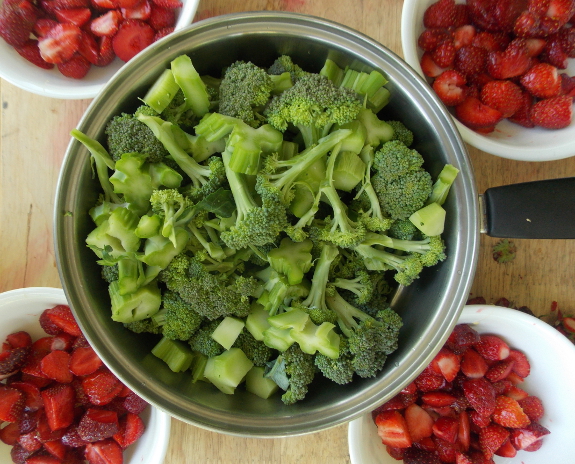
(239, 188)
(188, 79)
(348, 315)
(175, 354)
(318, 290)
(162, 91)
(443, 184)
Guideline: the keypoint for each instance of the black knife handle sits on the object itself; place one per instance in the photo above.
(538, 210)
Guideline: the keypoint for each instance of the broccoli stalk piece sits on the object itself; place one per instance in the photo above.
(228, 331)
(292, 260)
(277, 291)
(443, 184)
(244, 91)
(141, 304)
(194, 89)
(293, 371)
(227, 370)
(431, 250)
(162, 91)
(430, 220)
(314, 105)
(175, 354)
(370, 339)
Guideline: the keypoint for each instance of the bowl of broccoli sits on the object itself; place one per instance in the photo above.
(265, 224)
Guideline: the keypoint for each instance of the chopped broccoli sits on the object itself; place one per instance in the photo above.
(403, 229)
(314, 105)
(363, 286)
(340, 370)
(177, 319)
(443, 184)
(401, 133)
(144, 326)
(284, 64)
(202, 340)
(173, 209)
(255, 350)
(244, 91)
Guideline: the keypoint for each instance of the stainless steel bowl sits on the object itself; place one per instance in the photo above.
(430, 307)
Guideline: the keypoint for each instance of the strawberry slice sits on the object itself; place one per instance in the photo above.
(523, 115)
(560, 10)
(101, 387)
(10, 433)
(450, 87)
(161, 18)
(506, 13)
(504, 96)
(11, 404)
(542, 80)
(525, 437)
(470, 60)
(76, 67)
(446, 363)
(19, 339)
(429, 381)
(474, 114)
(32, 398)
(141, 11)
(533, 407)
(499, 371)
(427, 41)
(392, 429)
(521, 365)
(512, 62)
(107, 24)
(135, 404)
(440, 14)
(168, 3)
(419, 422)
(56, 366)
(480, 394)
(84, 361)
(131, 428)
(508, 413)
(506, 450)
(59, 402)
(491, 438)
(12, 360)
(104, 452)
(58, 45)
(56, 448)
(492, 347)
(482, 13)
(76, 16)
(29, 442)
(438, 398)
(132, 37)
(31, 52)
(464, 430)
(160, 34)
(552, 113)
(444, 54)
(473, 365)
(429, 67)
(17, 19)
(461, 338)
(61, 316)
(446, 428)
(98, 424)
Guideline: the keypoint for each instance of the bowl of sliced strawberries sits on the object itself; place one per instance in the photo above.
(496, 392)
(69, 49)
(58, 402)
(505, 69)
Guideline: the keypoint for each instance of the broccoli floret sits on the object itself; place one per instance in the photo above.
(202, 341)
(370, 339)
(244, 90)
(284, 64)
(401, 133)
(144, 326)
(174, 209)
(110, 273)
(394, 159)
(431, 250)
(362, 286)
(178, 112)
(293, 371)
(177, 319)
(255, 350)
(403, 229)
(126, 134)
(340, 370)
(314, 105)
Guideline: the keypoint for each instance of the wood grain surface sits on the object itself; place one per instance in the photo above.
(34, 135)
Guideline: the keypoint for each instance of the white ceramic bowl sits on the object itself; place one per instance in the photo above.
(549, 353)
(509, 140)
(51, 83)
(19, 310)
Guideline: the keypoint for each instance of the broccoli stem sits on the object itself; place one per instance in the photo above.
(348, 315)
(188, 79)
(239, 188)
(162, 91)
(175, 354)
(443, 184)
(317, 292)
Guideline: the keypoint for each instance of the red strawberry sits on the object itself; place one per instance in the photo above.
(488, 41)
(419, 422)
(141, 11)
(527, 25)
(428, 381)
(525, 437)
(32, 398)
(446, 363)
(134, 404)
(461, 338)
(101, 387)
(76, 67)
(56, 366)
(106, 24)
(132, 37)
(523, 115)
(392, 429)
(476, 115)
(473, 365)
(446, 428)
(168, 3)
(569, 322)
(41, 27)
(461, 458)
(533, 407)
(566, 37)
(11, 404)
(504, 96)
(534, 46)
(508, 413)
(440, 14)
(17, 21)
(162, 17)
(552, 113)
(464, 430)
(542, 81)
(482, 13)
(420, 456)
(163, 33)
(470, 60)
(69, 4)
(480, 394)
(31, 52)
(538, 7)
(534, 446)
(59, 402)
(56, 448)
(521, 365)
(444, 54)
(103, 5)
(107, 54)
(499, 371)
(491, 438)
(12, 360)
(450, 87)
(84, 361)
(42, 458)
(492, 347)
(464, 35)
(427, 41)
(560, 10)
(506, 450)
(461, 15)
(19, 339)
(62, 341)
(98, 424)
(438, 398)
(72, 439)
(131, 429)
(554, 54)
(58, 45)
(515, 392)
(429, 67)
(9, 433)
(29, 442)
(512, 62)
(45, 322)
(76, 16)
(507, 12)
(104, 452)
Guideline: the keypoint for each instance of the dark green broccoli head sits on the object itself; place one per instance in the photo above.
(338, 370)
(255, 350)
(144, 326)
(181, 321)
(203, 342)
(300, 370)
(394, 159)
(401, 133)
(284, 64)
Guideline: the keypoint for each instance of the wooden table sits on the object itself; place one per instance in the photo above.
(34, 135)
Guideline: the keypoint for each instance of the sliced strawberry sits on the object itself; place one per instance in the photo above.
(446, 428)
(72, 439)
(512, 62)
(131, 428)
(141, 11)
(464, 35)
(107, 24)
(521, 366)
(32, 399)
(45, 322)
(168, 3)
(98, 424)
(464, 430)
(527, 25)
(538, 7)
(428, 381)
(499, 371)
(560, 10)
(507, 11)
(12, 360)
(58, 45)
(488, 41)
(17, 21)
(392, 429)
(461, 338)
(473, 365)
(476, 115)
(103, 5)
(508, 413)
(446, 363)
(59, 404)
(491, 438)
(429, 67)
(415, 455)
(76, 16)
(161, 18)
(163, 33)
(42, 26)
(104, 452)
(470, 60)
(533, 407)
(106, 51)
(56, 366)
(444, 54)
(542, 81)
(492, 347)
(450, 87)
(11, 404)
(482, 13)
(515, 392)
(29, 442)
(132, 37)
(569, 322)
(42, 458)
(480, 394)
(534, 446)
(101, 387)
(504, 96)
(438, 398)
(523, 115)
(70, 4)
(9, 433)
(552, 113)
(506, 450)
(419, 422)
(525, 437)
(84, 361)
(76, 67)
(427, 41)
(56, 448)
(554, 54)
(567, 39)
(135, 404)
(440, 14)
(19, 339)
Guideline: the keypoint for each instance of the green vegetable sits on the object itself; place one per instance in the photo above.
(175, 354)
(227, 370)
